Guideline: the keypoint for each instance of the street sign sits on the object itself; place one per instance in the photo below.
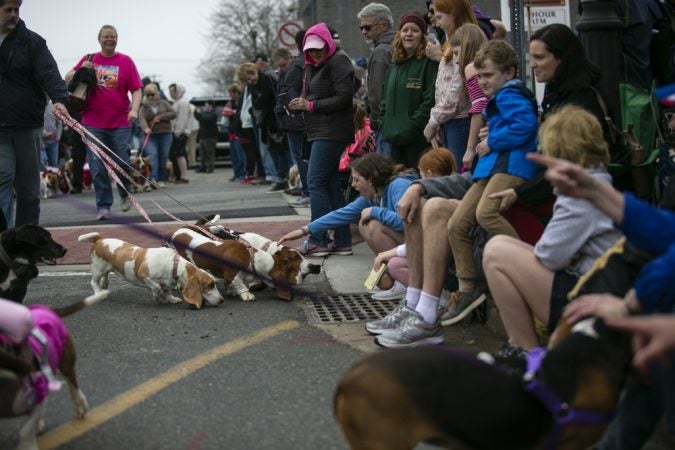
(286, 33)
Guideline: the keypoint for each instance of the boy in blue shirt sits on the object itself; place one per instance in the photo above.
(511, 115)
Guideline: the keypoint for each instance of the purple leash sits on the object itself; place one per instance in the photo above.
(561, 411)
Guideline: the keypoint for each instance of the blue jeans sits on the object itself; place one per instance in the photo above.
(117, 140)
(383, 147)
(157, 149)
(268, 162)
(52, 153)
(20, 175)
(238, 158)
(325, 194)
(295, 140)
(455, 137)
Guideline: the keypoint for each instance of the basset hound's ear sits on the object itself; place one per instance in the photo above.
(281, 276)
(284, 294)
(192, 292)
(563, 330)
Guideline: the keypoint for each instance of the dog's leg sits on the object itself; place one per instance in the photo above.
(29, 430)
(168, 296)
(242, 290)
(67, 369)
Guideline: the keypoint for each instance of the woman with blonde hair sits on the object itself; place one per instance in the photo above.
(408, 91)
(527, 281)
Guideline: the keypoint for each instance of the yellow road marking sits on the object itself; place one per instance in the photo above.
(101, 414)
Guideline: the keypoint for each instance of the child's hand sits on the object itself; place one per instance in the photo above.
(434, 51)
(482, 148)
(467, 159)
(507, 197)
(430, 131)
(483, 133)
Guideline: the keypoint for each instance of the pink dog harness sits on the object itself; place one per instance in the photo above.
(47, 339)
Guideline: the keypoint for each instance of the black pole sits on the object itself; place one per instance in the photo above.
(518, 35)
(600, 32)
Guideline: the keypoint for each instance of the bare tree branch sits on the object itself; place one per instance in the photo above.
(238, 32)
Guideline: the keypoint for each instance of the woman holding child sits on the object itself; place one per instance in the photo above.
(381, 183)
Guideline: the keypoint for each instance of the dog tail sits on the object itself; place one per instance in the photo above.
(90, 237)
(75, 307)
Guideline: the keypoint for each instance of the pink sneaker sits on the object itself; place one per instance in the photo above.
(313, 250)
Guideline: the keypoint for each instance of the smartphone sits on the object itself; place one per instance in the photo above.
(285, 98)
(431, 37)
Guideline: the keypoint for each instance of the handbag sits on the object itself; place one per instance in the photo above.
(79, 87)
(625, 148)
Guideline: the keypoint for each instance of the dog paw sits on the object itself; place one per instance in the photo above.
(81, 405)
(247, 296)
(174, 300)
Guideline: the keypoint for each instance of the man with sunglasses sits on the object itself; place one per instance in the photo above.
(376, 24)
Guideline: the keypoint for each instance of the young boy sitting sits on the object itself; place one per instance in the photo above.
(511, 115)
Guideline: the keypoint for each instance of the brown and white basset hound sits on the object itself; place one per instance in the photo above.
(287, 268)
(158, 269)
(229, 260)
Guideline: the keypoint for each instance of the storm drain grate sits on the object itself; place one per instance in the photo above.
(344, 308)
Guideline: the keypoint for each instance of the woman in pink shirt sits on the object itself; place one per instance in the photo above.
(109, 114)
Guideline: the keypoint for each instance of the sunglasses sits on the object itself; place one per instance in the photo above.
(367, 27)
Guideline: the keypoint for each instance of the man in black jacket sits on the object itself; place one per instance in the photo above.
(27, 72)
(290, 86)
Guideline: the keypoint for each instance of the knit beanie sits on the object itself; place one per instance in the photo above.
(414, 17)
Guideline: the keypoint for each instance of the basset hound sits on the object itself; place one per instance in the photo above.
(562, 398)
(228, 260)
(287, 267)
(34, 345)
(158, 269)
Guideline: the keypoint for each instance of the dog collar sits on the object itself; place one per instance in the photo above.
(174, 270)
(561, 411)
(16, 267)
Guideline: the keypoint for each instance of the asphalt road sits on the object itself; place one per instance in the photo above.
(237, 376)
(268, 382)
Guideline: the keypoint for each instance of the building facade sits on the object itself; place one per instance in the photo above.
(341, 16)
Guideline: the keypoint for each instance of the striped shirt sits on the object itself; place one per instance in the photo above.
(476, 96)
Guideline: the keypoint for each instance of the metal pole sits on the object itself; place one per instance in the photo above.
(518, 35)
(600, 32)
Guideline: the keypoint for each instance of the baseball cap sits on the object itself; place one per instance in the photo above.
(313, 41)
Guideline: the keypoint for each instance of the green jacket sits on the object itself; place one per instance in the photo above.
(409, 91)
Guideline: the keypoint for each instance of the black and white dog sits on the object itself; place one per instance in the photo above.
(21, 249)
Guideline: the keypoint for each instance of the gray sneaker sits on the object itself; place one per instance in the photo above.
(465, 303)
(390, 321)
(125, 205)
(413, 332)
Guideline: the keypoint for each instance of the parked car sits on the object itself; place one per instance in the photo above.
(223, 144)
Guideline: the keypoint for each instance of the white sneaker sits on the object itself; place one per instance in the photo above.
(396, 292)
(161, 184)
(125, 204)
